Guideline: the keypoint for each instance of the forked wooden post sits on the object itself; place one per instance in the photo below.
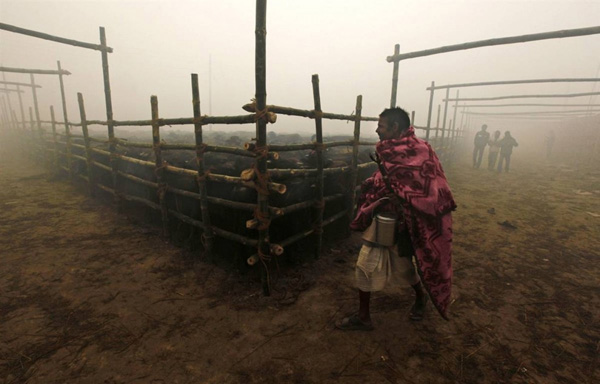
(437, 124)
(114, 163)
(260, 76)
(208, 234)
(32, 144)
(37, 115)
(88, 149)
(54, 139)
(319, 203)
(430, 109)
(454, 118)
(159, 167)
(21, 107)
(65, 115)
(395, 77)
(355, 147)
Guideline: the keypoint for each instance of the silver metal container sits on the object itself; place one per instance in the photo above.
(385, 229)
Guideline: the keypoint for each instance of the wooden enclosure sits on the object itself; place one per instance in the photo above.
(101, 163)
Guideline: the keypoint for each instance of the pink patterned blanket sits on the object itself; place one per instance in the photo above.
(416, 175)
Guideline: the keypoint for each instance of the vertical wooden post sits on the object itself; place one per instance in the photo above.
(442, 147)
(462, 116)
(54, 139)
(412, 118)
(437, 124)
(65, 117)
(355, 148)
(37, 115)
(33, 139)
(430, 107)
(158, 161)
(208, 233)
(395, 77)
(454, 118)
(109, 117)
(5, 121)
(21, 107)
(88, 150)
(319, 203)
(261, 141)
(11, 119)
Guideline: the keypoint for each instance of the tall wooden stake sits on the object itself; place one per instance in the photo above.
(355, 147)
(430, 108)
(109, 117)
(54, 139)
(395, 77)
(162, 185)
(208, 234)
(319, 203)
(261, 139)
(88, 149)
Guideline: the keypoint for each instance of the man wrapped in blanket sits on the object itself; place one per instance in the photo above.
(418, 193)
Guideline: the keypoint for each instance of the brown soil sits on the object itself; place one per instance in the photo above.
(88, 296)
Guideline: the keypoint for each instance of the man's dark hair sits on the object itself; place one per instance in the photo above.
(396, 115)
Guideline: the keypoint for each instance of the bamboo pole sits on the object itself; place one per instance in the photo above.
(208, 234)
(8, 90)
(444, 120)
(45, 36)
(159, 167)
(319, 203)
(429, 113)
(86, 140)
(32, 143)
(529, 81)
(37, 110)
(437, 124)
(454, 118)
(17, 83)
(251, 107)
(395, 77)
(34, 71)
(262, 213)
(527, 105)
(109, 116)
(54, 139)
(579, 111)
(204, 120)
(497, 41)
(21, 108)
(528, 96)
(354, 174)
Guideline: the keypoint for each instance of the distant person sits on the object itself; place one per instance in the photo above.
(412, 189)
(506, 146)
(550, 138)
(494, 144)
(481, 140)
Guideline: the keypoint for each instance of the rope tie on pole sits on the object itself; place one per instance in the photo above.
(201, 178)
(159, 170)
(317, 114)
(319, 146)
(199, 119)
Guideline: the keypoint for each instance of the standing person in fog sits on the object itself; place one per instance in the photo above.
(410, 186)
(494, 144)
(506, 146)
(481, 140)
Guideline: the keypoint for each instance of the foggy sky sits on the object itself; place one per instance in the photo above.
(158, 44)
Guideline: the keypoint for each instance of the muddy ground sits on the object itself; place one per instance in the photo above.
(89, 296)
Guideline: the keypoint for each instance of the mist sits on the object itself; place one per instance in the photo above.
(158, 44)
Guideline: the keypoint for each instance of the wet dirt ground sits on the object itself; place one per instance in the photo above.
(89, 296)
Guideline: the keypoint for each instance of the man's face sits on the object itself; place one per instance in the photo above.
(385, 131)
